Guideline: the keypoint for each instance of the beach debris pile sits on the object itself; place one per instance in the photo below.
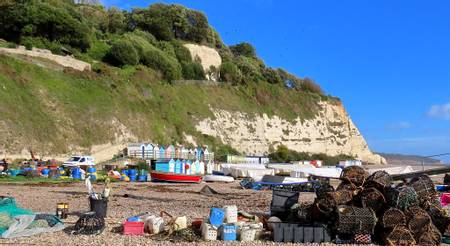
(370, 208)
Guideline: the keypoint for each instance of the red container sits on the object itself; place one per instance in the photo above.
(133, 228)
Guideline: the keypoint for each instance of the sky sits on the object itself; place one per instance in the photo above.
(389, 61)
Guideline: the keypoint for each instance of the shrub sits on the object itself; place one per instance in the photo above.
(229, 72)
(310, 85)
(249, 68)
(98, 50)
(167, 48)
(11, 45)
(243, 49)
(28, 45)
(159, 60)
(193, 70)
(123, 53)
(272, 76)
(181, 52)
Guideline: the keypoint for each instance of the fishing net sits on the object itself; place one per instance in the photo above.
(424, 187)
(378, 179)
(89, 224)
(18, 222)
(418, 219)
(372, 198)
(399, 236)
(353, 220)
(402, 198)
(355, 175)
(393, 217)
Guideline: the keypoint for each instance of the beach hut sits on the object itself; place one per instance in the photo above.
(156, 152)
(178, 166)
(206, 154)
(135, 150)
(199, 154)
(184, 152)
(191, 154)
(178, 152)
(172, 166)
(188, 167)
(148, 151)
(170, 151)
(162, 152)
(202, 167)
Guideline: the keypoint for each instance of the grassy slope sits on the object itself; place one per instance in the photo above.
(50, 110)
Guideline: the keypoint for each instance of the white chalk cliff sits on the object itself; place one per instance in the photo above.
(331, 132)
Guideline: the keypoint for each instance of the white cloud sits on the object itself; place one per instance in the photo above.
(399, 125)
(440, 111)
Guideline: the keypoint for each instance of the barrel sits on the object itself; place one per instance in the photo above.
(91, 170)
(143, 178)
(76, 173)
(45, 171)
(132, 172)
(133, 178)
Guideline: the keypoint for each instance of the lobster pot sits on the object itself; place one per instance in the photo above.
(429, 236)
(379, 179)
(393, 217)
(341, 197)
(372, 198)
(424, 187)
(402, 198)
(439, 217)
(345, 185)
(400, 235)
(355, 175)
(304, 213)
(417, 219)
(353, 220)
(322, 208)
(324, 188)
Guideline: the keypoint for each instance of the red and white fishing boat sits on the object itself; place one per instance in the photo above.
(175, 177)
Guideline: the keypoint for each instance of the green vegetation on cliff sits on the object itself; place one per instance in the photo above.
(135, 57)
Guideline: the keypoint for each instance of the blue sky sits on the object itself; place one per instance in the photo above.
(389, 61)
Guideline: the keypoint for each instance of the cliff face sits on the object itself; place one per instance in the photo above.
(331, 132)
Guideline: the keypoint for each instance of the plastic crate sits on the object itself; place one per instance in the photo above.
(133, 228)
(228, 232)
(298, 233)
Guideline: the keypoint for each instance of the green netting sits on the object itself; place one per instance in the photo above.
(8, 210)
(19, 222)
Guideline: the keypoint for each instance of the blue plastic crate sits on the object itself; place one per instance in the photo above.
(228, 232)
(216, 217)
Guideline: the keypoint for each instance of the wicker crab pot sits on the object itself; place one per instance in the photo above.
(392, 218)
(402, 198)
(372, 198)
(418, 219)
(424, 188)
(399, 236)
(354, 220)
(379, 179)
(355, 175)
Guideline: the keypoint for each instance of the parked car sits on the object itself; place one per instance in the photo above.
(79, 160)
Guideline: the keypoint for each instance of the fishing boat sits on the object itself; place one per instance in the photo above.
(180, 171)
(175, 177)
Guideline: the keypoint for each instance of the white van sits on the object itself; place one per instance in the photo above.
(79, 160)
